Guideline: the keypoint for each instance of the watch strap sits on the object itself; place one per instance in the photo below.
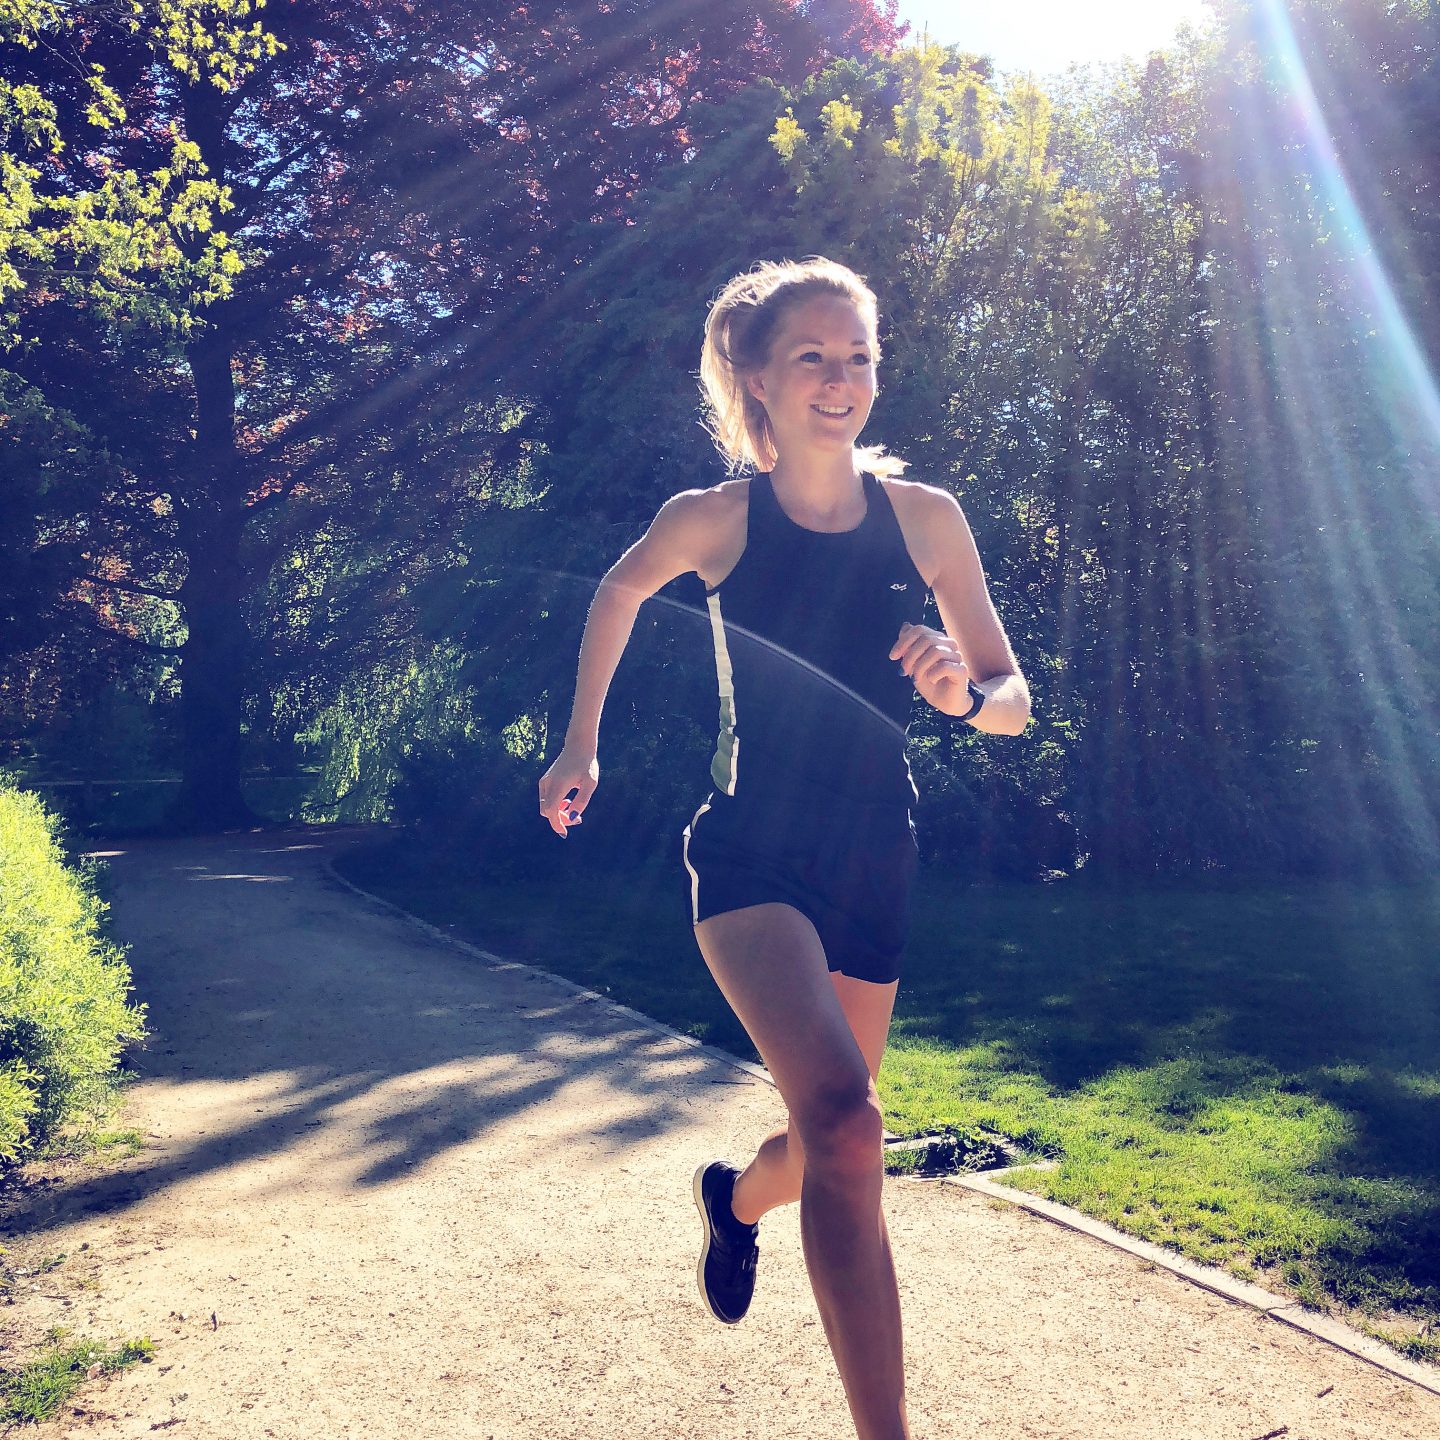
(977, 699)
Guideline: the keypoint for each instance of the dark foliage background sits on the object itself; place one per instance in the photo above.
(1169, 332)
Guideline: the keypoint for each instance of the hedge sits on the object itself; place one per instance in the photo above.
(64, 1016)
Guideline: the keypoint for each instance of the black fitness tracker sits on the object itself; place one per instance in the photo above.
(977, 697)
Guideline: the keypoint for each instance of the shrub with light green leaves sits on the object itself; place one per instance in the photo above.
(64, 1016)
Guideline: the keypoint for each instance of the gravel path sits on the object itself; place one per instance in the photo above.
(421, 1196)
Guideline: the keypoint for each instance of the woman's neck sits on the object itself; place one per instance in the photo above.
(825, 492)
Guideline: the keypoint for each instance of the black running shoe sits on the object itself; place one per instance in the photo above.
(727, 1258)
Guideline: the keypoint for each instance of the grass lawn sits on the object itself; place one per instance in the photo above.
(1247, 1074)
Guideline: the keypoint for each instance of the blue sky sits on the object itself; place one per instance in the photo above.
(1047, 35)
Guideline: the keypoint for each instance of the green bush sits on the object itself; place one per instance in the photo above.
(63, 986)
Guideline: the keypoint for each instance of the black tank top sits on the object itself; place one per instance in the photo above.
(811, 704)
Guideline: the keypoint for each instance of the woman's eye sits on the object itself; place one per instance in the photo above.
(811, 355)
(860, 358)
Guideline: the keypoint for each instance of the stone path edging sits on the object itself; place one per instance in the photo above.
(1207, 1277)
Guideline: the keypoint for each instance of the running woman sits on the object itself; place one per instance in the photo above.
(817, 569)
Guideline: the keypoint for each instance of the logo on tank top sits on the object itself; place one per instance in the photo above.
(901, 586)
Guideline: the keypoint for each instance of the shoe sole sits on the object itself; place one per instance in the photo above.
(695, 1188)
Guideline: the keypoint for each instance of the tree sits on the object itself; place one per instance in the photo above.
(398, 211)
(131, 250)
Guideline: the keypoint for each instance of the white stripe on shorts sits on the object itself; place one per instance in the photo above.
(694, 878)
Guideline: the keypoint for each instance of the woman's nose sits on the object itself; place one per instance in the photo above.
(835, 372)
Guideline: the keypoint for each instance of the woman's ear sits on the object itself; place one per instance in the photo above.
(755, 384)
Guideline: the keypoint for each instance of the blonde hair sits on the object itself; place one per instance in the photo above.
(739, 333)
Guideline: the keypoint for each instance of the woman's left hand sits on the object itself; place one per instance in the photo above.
(932, 660)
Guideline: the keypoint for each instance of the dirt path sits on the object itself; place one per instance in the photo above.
(421, 1197)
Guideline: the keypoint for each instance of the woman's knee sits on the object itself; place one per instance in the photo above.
(842, 1129)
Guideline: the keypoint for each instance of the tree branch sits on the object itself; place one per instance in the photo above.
(254, 191)
(150, 648)
(129, 588)
(272, 501)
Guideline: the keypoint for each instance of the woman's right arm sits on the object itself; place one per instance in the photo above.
(674, 544)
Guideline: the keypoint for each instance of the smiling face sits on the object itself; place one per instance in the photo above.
(819, 382)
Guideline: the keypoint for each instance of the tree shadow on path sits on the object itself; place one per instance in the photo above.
(333, 1020)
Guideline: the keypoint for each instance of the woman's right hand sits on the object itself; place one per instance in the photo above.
(572, 773)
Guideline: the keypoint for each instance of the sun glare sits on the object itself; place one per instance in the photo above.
(1048, 35)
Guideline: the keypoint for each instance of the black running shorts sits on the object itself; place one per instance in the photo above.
(850, 870)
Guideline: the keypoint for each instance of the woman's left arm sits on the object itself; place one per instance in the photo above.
(973, 645)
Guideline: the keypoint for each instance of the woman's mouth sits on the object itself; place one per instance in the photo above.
(835, 412)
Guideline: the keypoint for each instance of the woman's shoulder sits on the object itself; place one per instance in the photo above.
(729, 497)
(707, 527)
(916, 494)
(927, 516)
(920, 504)
(711, 512)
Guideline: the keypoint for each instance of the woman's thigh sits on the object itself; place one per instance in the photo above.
(868, 1007)
(770, 966)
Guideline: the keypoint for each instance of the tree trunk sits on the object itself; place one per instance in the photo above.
(213, 670)
(214, 663)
